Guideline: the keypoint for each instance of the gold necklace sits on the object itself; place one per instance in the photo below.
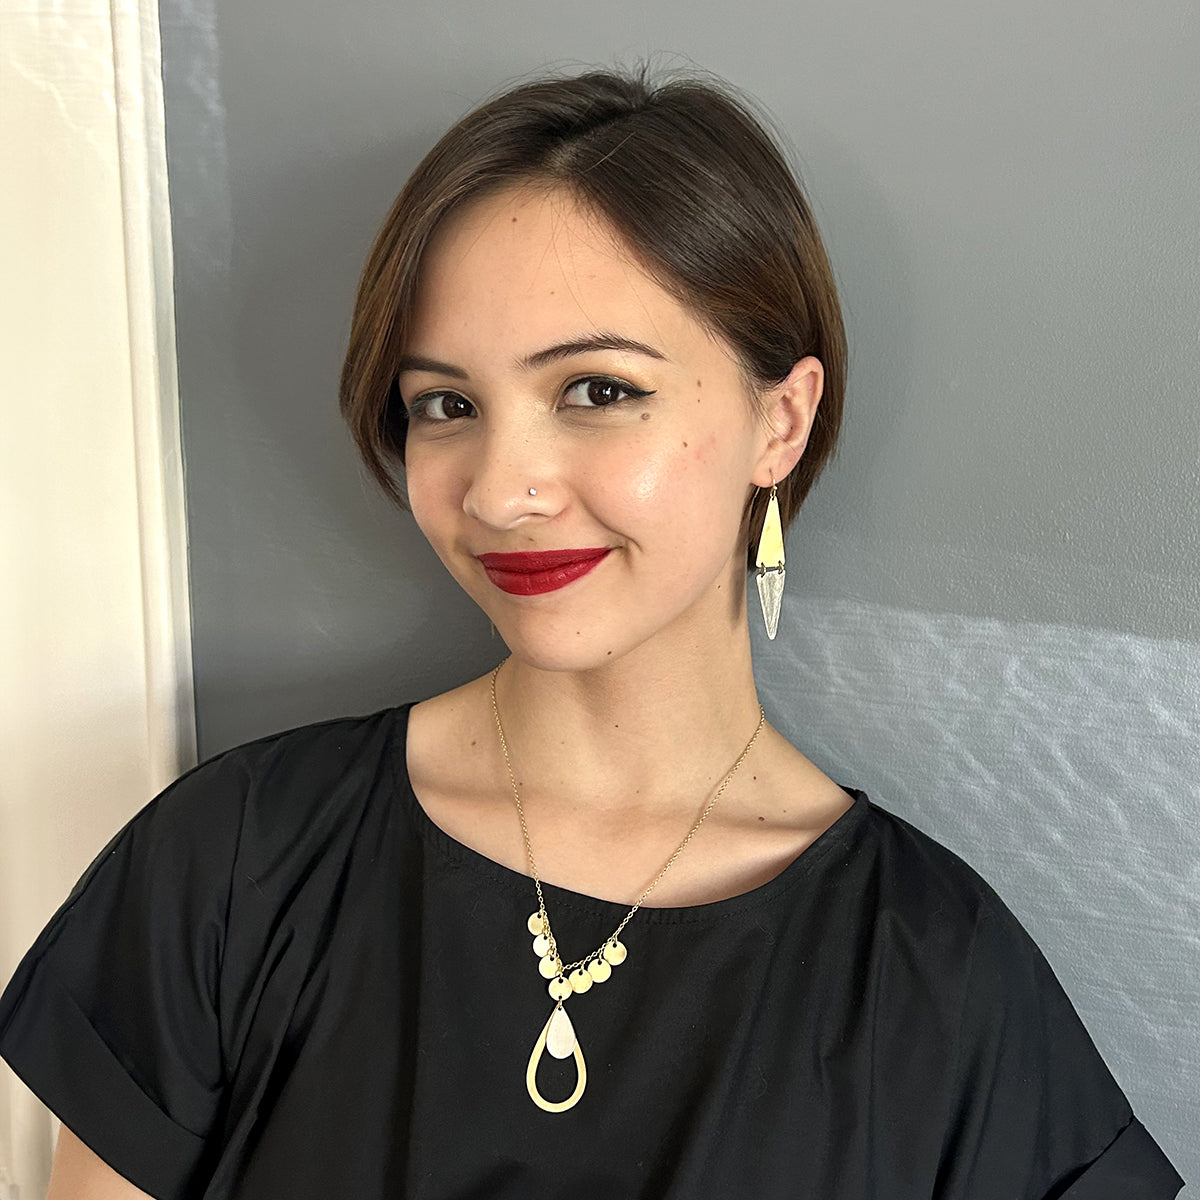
(558, 1034)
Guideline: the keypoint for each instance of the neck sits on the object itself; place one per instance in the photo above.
(655, 729)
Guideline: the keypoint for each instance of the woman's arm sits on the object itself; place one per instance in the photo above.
(79, 1173)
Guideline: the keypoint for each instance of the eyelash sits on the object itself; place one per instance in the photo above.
(419, 409)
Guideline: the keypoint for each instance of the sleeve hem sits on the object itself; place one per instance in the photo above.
(1131, 1165)
(59, 1056)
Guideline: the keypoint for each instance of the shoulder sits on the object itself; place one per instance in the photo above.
(919, 882)
(1027, 1100)
(286, 800)
(325, 748)
(239, 801)
(939, 921)
(322, 763)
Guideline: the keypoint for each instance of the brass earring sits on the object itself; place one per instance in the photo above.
(770, 575)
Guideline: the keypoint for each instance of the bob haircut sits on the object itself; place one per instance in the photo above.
(687, 176)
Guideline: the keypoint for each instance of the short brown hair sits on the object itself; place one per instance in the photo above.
(687, 175)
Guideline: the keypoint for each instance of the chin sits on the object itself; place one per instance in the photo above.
(549, 645)
(590, 636)
(546, 654)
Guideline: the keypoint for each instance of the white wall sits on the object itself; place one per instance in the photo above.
(95, 692)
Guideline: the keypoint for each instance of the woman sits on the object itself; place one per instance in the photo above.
(599, 334)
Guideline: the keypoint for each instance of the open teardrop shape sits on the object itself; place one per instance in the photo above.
(536, 1057)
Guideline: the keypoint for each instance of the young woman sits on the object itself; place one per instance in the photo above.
(598, 353)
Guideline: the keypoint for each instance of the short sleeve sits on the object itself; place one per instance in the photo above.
(111, 1017)
(1037, 1114)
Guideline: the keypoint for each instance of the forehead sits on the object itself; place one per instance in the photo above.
(529, 264)
(529, 235)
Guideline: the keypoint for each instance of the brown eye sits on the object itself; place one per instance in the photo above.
(439, 406)
(599, 391)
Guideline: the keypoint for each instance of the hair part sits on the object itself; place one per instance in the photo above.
(688, 178)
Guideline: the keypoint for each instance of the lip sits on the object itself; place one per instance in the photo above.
(540, 560)
(529, 573)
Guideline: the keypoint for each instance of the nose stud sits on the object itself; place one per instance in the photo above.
(533, 491)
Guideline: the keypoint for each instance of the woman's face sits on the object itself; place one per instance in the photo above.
(505, 395)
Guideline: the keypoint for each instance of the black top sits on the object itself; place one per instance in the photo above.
(281, 979)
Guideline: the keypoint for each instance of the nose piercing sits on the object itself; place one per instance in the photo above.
(533, 491)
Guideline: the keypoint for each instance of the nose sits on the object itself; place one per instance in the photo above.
(512, 478)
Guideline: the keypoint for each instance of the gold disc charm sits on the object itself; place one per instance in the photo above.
(599, 970)
(535, 923)
(541, 945)
(614, 952)
(536, 1057)
(560, 989)
(550, 966)
(580, 981)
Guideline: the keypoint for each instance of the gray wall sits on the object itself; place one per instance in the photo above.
(992, 622)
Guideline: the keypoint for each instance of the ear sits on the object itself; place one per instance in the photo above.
(789, 408)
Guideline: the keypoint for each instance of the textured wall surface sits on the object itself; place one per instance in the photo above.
(993, 618)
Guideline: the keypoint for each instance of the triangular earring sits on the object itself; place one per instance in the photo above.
(771, 574)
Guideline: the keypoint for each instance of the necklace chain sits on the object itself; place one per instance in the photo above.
(553, 949)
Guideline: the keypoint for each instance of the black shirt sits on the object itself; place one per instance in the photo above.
(281, 979)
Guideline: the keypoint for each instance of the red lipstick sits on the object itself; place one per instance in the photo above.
(530, 573)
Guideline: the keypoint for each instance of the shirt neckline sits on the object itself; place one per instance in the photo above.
(519, 884)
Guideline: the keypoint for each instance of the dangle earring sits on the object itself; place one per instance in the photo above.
(770, 565)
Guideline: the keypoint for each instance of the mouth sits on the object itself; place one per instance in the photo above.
(530, 573)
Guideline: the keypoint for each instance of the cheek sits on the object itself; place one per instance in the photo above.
(687, 476)
(651, 473)
(429, 495)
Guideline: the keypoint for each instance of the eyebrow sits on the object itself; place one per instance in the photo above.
(603, 340)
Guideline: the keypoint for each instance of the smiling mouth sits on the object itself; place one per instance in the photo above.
(530, 573)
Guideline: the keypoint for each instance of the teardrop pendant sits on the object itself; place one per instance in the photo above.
(563, 1029)
(560, 1035)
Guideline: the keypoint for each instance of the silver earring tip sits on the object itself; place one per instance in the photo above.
(770, 595)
